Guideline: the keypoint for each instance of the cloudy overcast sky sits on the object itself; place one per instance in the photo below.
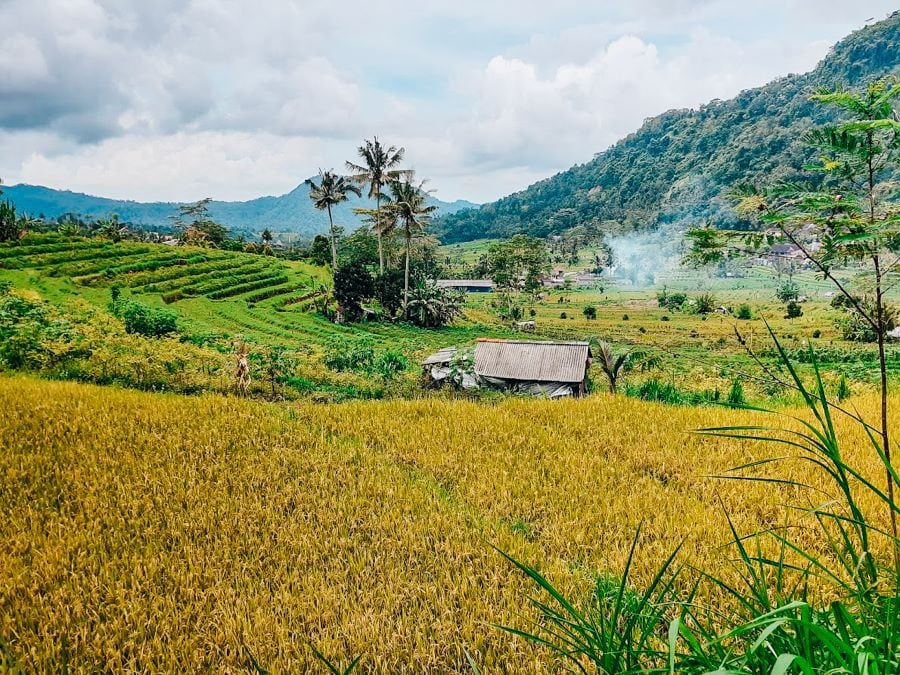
(182, 99)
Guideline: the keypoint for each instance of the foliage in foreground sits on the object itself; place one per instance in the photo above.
(799, 611)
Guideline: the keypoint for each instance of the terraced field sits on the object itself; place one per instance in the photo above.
(220, 293)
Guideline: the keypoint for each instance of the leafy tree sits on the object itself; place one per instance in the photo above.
(267, 236)
(744, 312)
(352, 286)
(378, 168)
(389, 291)
(10, 225)
(850, 207)
(331, 190)
(319, 250)
(197, 226)
(360, 247)
(787, 291)
(590, 312)
(794, 310)
(517, 265)
(409, 204)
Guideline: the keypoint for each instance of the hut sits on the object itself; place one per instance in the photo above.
(548, 369)
(467, 285)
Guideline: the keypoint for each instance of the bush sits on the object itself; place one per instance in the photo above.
(843, 389)
(590, 312)
(563, 315)
(345, 355)
(624, 317)
(744, 312)
(390, 364)
(705, 303)
(664, 317)
(147, 321)
(674, 302)
(389, 291)
(736, 394)
(787, 292)
(353, 285)
(817, 333)
(432, 307)
(793, 310)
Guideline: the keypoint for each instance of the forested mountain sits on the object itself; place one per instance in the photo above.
(292, 212)
(678, 164)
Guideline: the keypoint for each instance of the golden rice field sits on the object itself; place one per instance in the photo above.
(164, 533)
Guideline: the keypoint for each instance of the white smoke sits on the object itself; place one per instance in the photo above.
(647, 258)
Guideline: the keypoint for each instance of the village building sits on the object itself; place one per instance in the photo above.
(546, 369)
(467, 285)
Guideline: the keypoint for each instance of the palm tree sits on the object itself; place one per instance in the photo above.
(378, 168)
(613, 366)
(408, 203)
(332, 189)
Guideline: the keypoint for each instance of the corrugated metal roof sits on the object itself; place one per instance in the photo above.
(442, 356)
(464, 283)
(532, 361)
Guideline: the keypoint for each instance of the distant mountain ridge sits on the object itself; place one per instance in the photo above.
(677, 166)
(292, 212)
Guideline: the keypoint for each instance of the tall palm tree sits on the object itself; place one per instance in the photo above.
(409, 203)
(331, 190)
(378, 168)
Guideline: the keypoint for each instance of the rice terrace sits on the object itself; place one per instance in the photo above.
(636, 415)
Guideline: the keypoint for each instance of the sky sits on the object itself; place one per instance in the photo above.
(176, 100)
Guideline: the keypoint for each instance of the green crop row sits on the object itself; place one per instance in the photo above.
(51, 259)
(141, 265)
(206, 274)
(150, 279)
(230, 281)
(274, 292)
(247, 288)
(22, 250)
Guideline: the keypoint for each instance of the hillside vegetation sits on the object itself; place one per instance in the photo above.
(149, 531)
(678, 164)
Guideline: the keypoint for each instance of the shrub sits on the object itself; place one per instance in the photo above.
(843, 389)
(787, 292)
(793, 310)
(624, 317)
(563, 315)
(590, 312)
(344, 354)
(672, 301)
(705, 303)
(817, 333)
(744, 312)
(664, 317)
(390, 363)
(736, 394)
(432, 307)
(147, 321)
(353, 285)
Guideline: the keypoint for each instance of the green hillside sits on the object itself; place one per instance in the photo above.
(677, 165)
(292, 212)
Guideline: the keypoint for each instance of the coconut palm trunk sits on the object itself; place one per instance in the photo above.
(378, 232)
(333, 240)
(408, 233)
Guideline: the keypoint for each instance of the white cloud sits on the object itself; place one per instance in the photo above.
(178, 99)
